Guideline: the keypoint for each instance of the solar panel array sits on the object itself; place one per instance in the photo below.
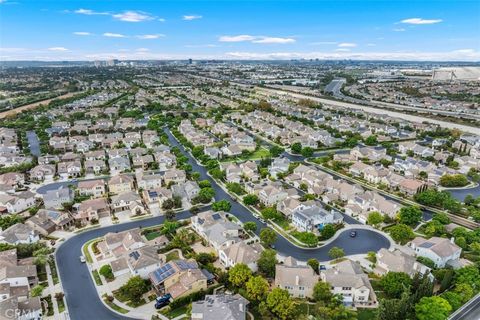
(185, 265)
(163, 272)
(135, 255)
(216, 216)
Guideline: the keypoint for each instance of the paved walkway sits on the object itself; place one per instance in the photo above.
(51, 290)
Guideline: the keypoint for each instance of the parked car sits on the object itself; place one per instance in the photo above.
(353, 234)
(82, 259)
(163, 301)
(322, 267)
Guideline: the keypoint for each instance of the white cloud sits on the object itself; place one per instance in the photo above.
(150, 36)
(82, 33)
(191, 17)
(132, 16)
(162, 19)
(89, 12)
(239, 38)
(58, 49)
(142, 50)
(342, 50)
(114, 35)
(421, 21)
(371, 44)
(347, 45)
(399, 29)
(274, 40)
(256, 39)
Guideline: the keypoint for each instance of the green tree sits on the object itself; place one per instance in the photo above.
(336, 253)
(280, 303)
(222, 205)
(469, 275)
(250, 199)
(410, 215)
(307, 152)
(239, 274)
(268, 236)
(401, 233)
(36, 291)
(432, 308)
(314, 264)
(371, 140)
(270, 213)
(296, 147)
(374, 218)
(204, 184)
(250, 226)
(106, 271)
(205, 195)
(275, 151)
(327, 232)
(267, 262)
(257, 288)
(453, 180)
(321, 292)
(134, 289)
(394, 283)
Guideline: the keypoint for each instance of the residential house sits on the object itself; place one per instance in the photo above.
(398, 261)
(279, 165)
(54, 199)
(348, 280)
(121, 183)
(179, 278)
(311, 216)
(46, 221)
(91, 209)
(43, 172)
(241, 252)
(441, 251)
(297, 279)
(187, 191)
(216, 228)
(128, 201)
(271, 195)
(19, 233)
(94, 188)
(220, 306)
(17, 203)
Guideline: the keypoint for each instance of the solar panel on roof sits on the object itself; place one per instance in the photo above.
(135, 255)
(216, 216)
(427, 244)
(163, 272)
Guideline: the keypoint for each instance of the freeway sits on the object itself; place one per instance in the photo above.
(81, 295)
(374, 110)
(469, 311)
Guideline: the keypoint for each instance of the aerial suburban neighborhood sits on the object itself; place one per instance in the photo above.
(277, 186)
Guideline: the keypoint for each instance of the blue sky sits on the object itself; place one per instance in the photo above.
(376, 29)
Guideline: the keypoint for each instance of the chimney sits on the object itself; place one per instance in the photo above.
(240, 307)
(189, 272)
(297, 280)
(452, 240)
(415, 266)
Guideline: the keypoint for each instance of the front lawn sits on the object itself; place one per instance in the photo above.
(96, 277)
(171, 314)
(172, 256)
(152, 235)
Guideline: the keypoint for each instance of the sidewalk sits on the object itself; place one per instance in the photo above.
(51, 290)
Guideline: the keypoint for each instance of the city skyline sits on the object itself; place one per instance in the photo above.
(87, 30)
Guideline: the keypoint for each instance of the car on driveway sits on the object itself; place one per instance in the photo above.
(162, 301)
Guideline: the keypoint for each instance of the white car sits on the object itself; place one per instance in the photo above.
(82, 259)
